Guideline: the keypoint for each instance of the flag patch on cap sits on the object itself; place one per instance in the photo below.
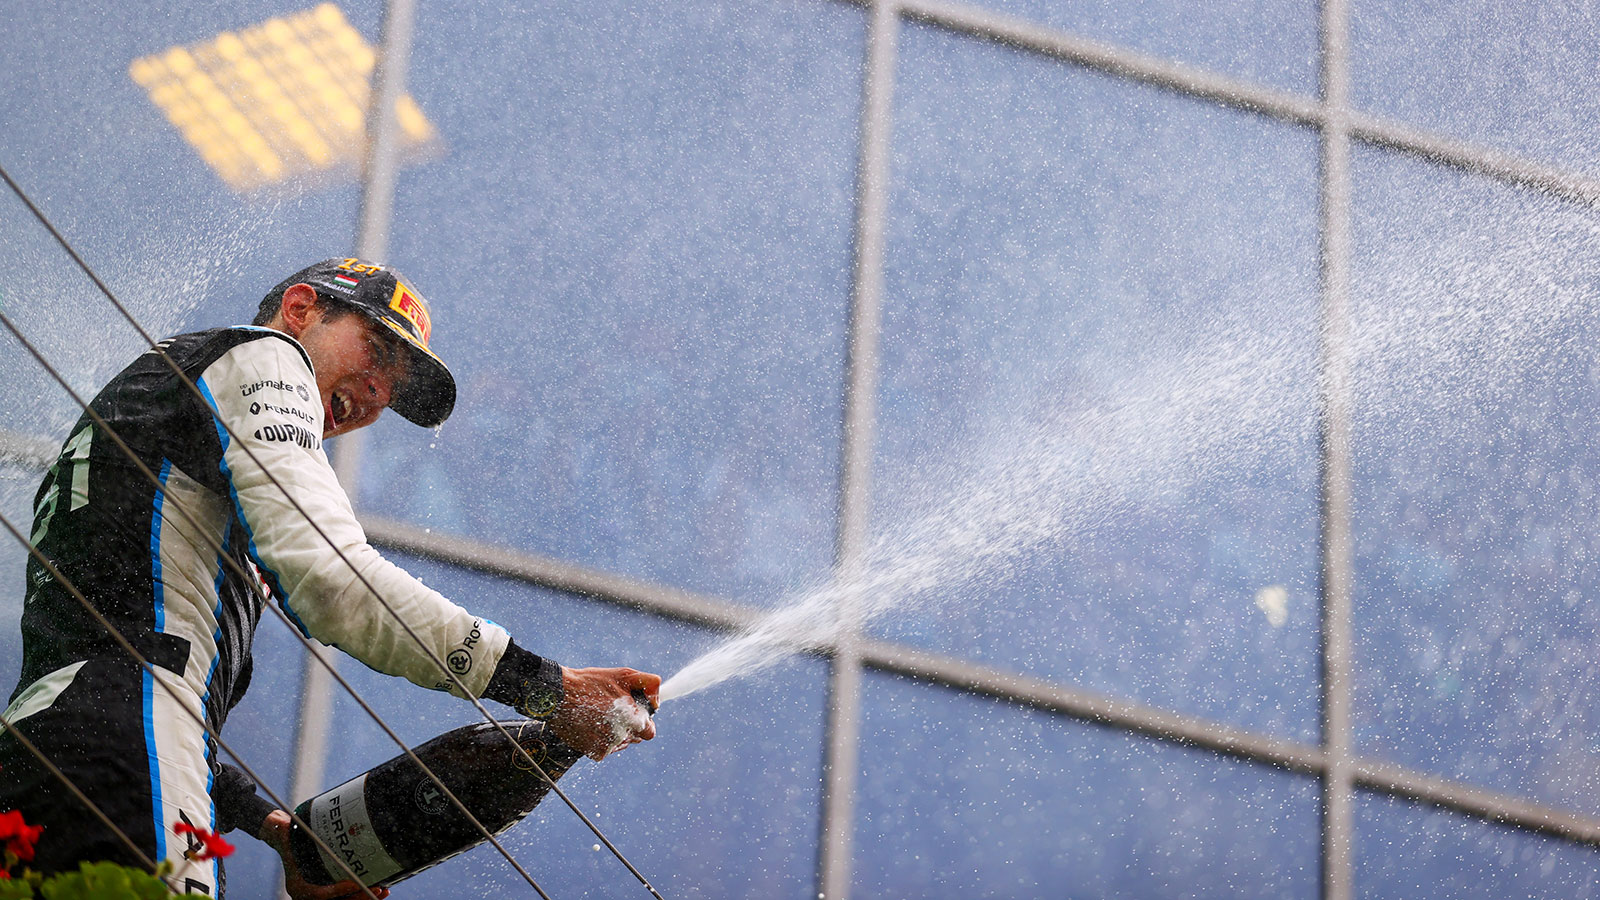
(346, 279)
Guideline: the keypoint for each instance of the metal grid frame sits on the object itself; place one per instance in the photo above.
(1334, 761)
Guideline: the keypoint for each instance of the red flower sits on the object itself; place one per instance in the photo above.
(18, 834)
(214, 845)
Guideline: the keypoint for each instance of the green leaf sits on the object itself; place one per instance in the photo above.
(105, 881)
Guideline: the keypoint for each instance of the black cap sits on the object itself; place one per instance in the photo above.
(428, 393)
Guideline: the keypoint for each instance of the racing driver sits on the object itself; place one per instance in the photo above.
(235, 449)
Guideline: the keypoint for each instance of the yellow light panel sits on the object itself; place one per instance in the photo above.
(276, 101)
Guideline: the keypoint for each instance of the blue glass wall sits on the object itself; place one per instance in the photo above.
(966, 797)
(639, 253)
(177, 246)
(1476, 481)
(17, 487)
(1508, 75)
(1111, 386)
(1269, 41)
(1404, 851)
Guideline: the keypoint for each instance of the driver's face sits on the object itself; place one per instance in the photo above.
(358, 364)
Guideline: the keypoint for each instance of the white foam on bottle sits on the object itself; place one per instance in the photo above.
(627, 720)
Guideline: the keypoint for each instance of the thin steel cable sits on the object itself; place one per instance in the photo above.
(155, 677)
(456, 681)
(227, 560)
(76, 792)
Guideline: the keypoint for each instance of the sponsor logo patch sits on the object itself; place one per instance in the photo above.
(246, 390)
(411, 307)
(460, 660)
(342, 842)
(288, 434)
(257, 409)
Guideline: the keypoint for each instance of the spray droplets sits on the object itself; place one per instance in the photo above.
(1229, 404)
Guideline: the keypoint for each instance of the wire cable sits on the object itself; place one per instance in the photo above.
(471, 696)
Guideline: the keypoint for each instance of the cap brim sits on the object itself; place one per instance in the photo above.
(428, 395)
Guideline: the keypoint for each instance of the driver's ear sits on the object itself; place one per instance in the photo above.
(299, 308)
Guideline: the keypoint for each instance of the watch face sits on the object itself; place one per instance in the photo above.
(537, 701)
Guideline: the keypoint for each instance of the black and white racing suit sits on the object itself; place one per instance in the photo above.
(151, 559)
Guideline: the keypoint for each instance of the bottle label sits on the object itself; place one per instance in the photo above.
(340, 818)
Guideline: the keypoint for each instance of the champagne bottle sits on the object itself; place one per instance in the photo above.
(391, 822)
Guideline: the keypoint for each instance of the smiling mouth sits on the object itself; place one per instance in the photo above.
(339, 407)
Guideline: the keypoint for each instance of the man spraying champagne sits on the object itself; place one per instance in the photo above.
(236, 449)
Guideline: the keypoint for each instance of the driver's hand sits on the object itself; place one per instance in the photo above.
(600, 712)
(275, 831)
